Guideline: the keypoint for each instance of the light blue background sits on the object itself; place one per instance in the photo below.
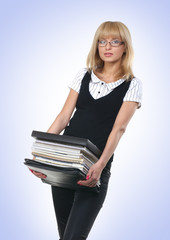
(42, 46)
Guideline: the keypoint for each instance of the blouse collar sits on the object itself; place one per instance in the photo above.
(111, 85)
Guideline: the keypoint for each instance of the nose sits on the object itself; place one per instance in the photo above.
(108, 45)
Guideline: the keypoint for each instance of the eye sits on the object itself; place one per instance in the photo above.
(116, 41)
(102, 42)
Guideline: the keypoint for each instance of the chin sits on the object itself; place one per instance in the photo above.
(111, 60)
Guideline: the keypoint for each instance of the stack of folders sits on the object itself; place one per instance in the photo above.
(63, 159)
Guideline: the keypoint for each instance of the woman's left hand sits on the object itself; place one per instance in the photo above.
(93, 176)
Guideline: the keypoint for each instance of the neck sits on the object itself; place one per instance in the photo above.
(112, 71)
(111, 67)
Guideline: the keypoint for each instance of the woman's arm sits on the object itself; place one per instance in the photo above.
(61, 120)
(125, 114)
(64, 116)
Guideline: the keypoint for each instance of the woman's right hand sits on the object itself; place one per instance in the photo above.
(38, 174)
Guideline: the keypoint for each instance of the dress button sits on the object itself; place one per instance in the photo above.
(98, 92)
(102, 83)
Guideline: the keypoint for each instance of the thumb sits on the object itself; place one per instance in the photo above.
(89, 174)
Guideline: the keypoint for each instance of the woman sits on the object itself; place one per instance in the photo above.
(106, 95)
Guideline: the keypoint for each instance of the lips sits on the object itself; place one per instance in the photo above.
(108, 54)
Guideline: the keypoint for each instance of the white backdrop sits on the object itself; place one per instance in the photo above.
(43, 44)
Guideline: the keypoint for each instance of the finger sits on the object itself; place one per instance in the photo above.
(89, 174)
(34, 172)
(87, 183)
(41, 175)
(38, 174)
(87, 177)
(92, 184)
(83, 183)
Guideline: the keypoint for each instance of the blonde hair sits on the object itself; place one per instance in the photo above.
(117, 30)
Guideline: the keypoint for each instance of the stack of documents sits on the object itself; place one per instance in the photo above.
(62, 158)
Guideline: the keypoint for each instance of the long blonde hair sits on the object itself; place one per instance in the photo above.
(117, 30)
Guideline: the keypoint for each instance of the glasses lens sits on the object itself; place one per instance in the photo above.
(115, 43)
(102, 43)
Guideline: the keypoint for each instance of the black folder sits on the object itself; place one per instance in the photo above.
(67, 140)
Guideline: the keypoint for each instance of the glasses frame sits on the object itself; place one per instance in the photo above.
(110, 42)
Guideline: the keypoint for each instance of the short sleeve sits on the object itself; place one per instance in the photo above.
(134, 93)
(76, 83)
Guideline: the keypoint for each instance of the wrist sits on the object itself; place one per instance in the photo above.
(101, 164)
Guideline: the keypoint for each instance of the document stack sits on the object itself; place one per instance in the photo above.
(63, 159)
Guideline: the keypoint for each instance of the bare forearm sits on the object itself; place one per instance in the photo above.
(64, 116)
(111, 145)
(125, 114)
(58, 125)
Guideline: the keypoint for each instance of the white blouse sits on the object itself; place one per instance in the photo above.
(98, 88)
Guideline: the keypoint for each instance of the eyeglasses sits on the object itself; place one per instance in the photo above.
(113, 43)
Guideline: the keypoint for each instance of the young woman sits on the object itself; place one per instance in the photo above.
(106, 95)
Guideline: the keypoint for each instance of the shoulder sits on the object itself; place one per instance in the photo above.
(80, 74)
(135, 83)
(76, 82)
(134, 93)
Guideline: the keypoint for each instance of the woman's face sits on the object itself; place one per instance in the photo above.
(111, 49)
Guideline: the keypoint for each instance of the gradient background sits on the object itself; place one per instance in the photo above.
(43, 44)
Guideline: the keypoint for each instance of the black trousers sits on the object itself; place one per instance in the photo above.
(76, 211)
